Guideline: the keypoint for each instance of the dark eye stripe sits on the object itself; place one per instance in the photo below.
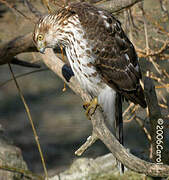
(34, 37)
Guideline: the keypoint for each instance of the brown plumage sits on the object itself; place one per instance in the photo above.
(101, 56)
(118, 62)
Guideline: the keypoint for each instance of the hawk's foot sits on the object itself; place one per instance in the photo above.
(91, 107)
(64, 87)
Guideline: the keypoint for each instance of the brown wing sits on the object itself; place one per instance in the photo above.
(116, 59)
(119, 67)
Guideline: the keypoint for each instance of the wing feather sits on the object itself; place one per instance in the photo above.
(116, 59)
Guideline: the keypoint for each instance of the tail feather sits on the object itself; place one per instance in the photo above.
(106, 100)
(119, 124)
(137, 96)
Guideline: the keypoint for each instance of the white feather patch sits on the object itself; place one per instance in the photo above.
(106, 24)
(106, 99)
(127, 57)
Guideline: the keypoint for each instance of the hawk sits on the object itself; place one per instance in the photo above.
(101, 56)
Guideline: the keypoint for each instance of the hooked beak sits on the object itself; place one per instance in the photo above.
(41, 46)
(42, 50)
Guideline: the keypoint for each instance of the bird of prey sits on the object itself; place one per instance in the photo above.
(101, 56)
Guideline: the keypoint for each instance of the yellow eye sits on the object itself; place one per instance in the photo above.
(40, 37)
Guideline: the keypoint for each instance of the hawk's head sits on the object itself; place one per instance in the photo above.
(56, 29)
(46, 33)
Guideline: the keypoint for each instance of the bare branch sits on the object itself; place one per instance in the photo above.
(24, 63)
(115, 6)
(11, 6)
(102, 132)
(32, 8)
(23, 172)
(23, 75)
(16, 46)
(46, 3)
(90, 140)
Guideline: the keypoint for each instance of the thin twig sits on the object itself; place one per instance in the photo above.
(18, 11)
(128, 108)
(159, 81)
(163, 106)
(139, 121)
(158, 52)
(157, 25)
(56, 3)
(163, 86)
(32, 8)
(46, 3)
(147, 41)
(90, 140)
(22, 75)
(25, 173)
(31, 121)
(132, 114)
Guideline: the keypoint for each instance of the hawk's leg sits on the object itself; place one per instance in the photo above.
(91, 106)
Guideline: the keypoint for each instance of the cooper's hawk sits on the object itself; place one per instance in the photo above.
(101, 56)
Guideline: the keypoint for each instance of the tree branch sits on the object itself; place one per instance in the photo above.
(32, 8)
(16, 46)
(101, 131)
(115, 6)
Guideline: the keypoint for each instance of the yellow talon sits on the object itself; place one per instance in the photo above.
(91, 107)
(64, 87)
(61, 48)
